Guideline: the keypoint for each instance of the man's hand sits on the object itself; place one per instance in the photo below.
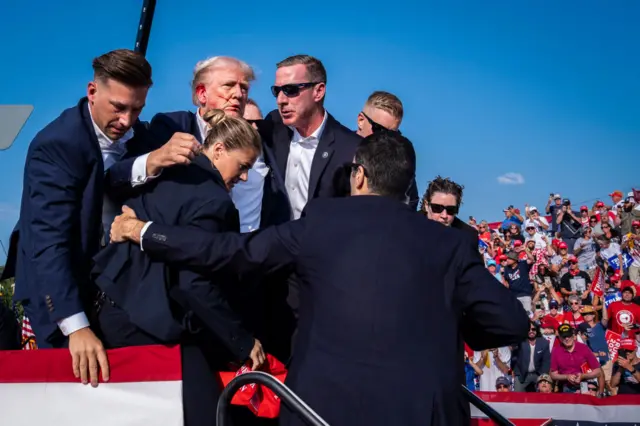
(181, 149)
(126, 227)
(89, 356)
(257, 356)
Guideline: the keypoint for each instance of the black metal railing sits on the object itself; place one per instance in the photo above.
(306, 413)
(293, 402)
(486, 409)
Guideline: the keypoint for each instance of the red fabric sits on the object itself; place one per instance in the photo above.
(258, 398)
(621, 313)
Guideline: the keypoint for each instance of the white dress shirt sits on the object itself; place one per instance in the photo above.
(112, 152)
(246, 196)
(298, 171)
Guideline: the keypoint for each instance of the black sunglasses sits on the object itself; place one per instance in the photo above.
(439, 208)
(291, 90)
(376, 127)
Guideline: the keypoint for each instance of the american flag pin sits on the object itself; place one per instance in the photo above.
(325, 154)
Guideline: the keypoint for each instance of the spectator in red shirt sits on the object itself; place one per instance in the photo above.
(574, 316)
(567, 362)
(624, 315)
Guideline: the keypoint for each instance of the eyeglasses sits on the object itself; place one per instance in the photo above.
(291, 90)
(574, 303)
(376, 127)
(439, 208)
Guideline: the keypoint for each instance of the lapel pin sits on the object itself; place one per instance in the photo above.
(325, 154)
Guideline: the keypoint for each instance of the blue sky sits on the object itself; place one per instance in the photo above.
(546, 89)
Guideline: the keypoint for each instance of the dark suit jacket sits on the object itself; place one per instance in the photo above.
(337, 146)
(377, 301)
(60, 222)
(541, 358)
(275, 203)
(193, 196)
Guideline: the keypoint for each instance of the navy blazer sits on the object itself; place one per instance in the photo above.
(193, 196)
(275, 202)
(60, 222)
(336, 148)
(376, 301)
(541, 358)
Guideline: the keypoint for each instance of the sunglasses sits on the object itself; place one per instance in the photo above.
(574, 303)
(439, 208)
(376, 127)
(291, 90)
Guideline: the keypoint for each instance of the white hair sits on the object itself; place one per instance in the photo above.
(203, 70)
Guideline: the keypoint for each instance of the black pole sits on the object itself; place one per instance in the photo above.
(474, 400)
(144, 29)
(284, 393)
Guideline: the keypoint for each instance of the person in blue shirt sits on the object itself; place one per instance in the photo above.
(512, 215)
(472, 373)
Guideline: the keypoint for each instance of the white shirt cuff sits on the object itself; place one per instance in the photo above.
(142, 231)
(73, 323)
(139, 171)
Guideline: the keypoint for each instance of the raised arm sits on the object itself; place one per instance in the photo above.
(263, 251)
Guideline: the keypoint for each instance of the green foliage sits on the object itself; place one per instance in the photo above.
(6, 293)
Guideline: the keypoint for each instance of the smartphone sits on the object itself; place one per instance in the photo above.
(538, 306)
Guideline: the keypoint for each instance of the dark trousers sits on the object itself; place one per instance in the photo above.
(528, 385)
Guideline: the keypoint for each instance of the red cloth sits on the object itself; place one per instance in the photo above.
(258, 398)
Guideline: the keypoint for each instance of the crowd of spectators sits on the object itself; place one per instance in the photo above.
(577, 273)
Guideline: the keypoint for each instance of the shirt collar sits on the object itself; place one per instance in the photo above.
(313, 137)
(104, 141)
(203, 127)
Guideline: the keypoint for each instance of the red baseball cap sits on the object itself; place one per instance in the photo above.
(517, 243)
(635, 223)
(562, 245)
(616, 193)
(628, 344)
(584, 208)
(599, 204)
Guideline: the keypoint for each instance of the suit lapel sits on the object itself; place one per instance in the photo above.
(526, 356)
(322, 157)
(282, 144)
(83, 106)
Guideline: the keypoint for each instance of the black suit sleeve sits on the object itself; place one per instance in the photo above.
(53, 185)
(263, 251)
(492, 316)
(204, 297)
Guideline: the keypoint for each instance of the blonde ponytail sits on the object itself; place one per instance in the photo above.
(214, 117)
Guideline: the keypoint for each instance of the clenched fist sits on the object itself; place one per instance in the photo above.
(180, 149)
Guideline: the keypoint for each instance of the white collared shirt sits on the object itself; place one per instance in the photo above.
(112, 152)
(299, 163)
(247, 196)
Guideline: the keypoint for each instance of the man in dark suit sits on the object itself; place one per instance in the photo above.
(530, 360)
(62, 209)
(366, 281)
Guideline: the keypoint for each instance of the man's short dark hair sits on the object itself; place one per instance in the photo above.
(124, 66)
(444, 185)
(389, 161)
(315, 70)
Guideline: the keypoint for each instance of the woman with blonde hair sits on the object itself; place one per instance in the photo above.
(146, 302)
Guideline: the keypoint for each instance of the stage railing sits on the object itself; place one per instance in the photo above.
(306, 413)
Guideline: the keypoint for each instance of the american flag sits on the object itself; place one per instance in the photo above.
(28, 337)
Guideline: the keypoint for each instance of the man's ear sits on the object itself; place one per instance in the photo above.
(360, 121)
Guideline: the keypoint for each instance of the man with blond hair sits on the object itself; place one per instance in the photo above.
(382, 110)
